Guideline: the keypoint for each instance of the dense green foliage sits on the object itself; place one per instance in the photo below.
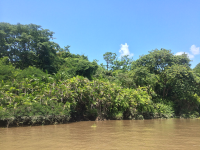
(41, 83)
(197, 68)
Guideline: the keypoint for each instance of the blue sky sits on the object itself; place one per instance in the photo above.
(93, 27)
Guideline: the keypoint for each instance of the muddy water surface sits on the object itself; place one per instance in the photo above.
(177, 134)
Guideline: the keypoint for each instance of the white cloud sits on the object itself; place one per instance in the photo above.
(189, 55)
(194, 50)
(125, 51)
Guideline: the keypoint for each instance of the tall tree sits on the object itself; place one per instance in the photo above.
(109, 57)
(123, 64)
(28, 45)
(171, 78)
(157, 60)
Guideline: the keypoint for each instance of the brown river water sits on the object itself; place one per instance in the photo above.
(160, 134)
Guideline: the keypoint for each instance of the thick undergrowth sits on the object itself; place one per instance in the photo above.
(34, 102)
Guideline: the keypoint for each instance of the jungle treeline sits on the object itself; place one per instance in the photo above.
(42, 83)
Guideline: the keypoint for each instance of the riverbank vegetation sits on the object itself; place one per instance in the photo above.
(42, 83)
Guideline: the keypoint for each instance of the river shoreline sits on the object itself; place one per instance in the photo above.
(3, 124)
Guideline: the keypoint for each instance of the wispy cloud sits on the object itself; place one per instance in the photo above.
(125, 51)
(189, 55)
(194, 50)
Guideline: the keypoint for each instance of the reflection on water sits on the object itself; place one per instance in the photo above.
(179, 134)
